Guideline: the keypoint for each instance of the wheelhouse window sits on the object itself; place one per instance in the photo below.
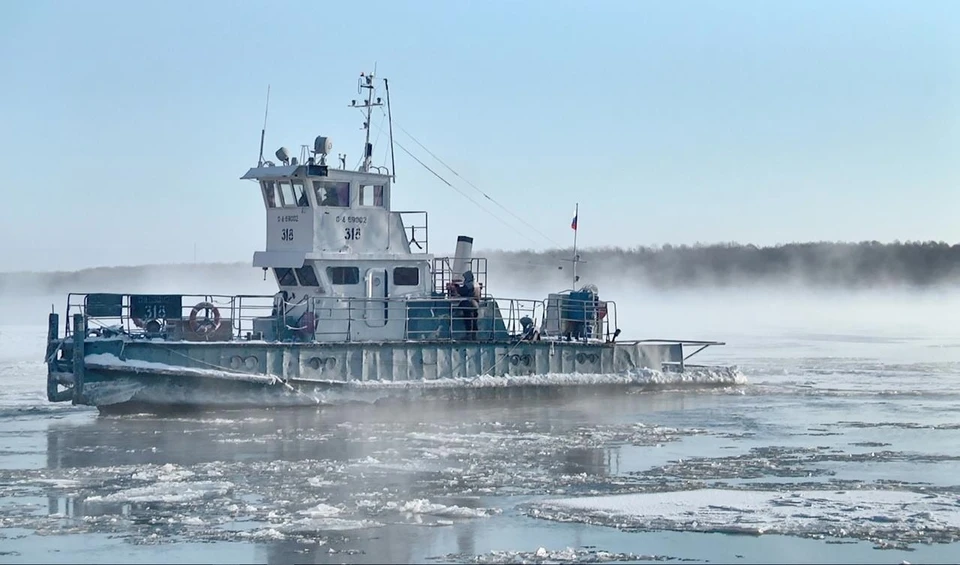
(330, 193)
(285, 277)
(371, 195)
(301, 194)
(406, 276)
(307, 276)
(269, 193)
(344, 275)
(292, 194)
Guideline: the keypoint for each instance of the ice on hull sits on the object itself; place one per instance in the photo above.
(367, 377)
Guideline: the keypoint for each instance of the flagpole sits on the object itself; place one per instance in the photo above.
(576, 216)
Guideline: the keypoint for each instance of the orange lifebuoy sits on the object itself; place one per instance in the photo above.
(601, 310)
(206, 325)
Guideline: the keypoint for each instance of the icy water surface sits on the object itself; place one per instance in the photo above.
(843, 447)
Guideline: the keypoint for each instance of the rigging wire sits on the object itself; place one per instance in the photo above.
(454, 187)
(462, 193)
(379, 130)
(475, 187)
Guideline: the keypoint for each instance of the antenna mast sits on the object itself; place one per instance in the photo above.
(366, 81)
(263, 132)
(576, 258)
(393, 162)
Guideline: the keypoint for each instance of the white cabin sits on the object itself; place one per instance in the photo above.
(331, 232)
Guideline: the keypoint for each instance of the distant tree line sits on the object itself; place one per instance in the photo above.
(822, 264)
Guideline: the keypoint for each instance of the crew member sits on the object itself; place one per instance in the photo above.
(470, 305)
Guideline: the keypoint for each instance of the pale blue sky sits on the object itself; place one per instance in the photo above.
(126, 125)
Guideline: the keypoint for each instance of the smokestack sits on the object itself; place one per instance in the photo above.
(462, 257)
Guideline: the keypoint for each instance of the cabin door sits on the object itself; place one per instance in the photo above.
(376, 303)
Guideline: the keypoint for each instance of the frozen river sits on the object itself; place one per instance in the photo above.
(842, 447)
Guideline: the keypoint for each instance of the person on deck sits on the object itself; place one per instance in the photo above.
(470, 305)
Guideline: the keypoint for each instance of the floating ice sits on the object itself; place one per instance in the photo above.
(165, 473)
(423, 506)
(326, 524)
(865, 514)
(544, 555)
(168, 492)
(321, 511)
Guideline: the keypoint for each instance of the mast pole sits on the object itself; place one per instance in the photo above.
(576, 258)
(393, 162)
(263, 132)
(368, 105)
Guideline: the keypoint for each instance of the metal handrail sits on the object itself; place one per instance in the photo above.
(336, 316)
(588, 324)
(443, 274)
(237, 311)
(419, 233)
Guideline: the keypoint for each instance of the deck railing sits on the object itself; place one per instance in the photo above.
(443, 274)
(134, 312)
(417, 229)
(192, 317)
(426, 318)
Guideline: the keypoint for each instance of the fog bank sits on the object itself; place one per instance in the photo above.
(824, 265)
(814, 265)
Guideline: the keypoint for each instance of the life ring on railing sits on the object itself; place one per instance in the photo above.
(206, 325)
(601, 310)
(307, 324)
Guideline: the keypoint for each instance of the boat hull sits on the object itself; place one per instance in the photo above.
(122, 374)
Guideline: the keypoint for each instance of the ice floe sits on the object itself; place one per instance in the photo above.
(865, 514)
(171, 492)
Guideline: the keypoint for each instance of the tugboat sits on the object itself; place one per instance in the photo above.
(363, 312)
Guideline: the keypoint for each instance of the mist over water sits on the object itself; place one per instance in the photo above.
(828, 265)
(823, 265)
(698, 310)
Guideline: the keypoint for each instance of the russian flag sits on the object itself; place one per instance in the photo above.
(573, 224)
